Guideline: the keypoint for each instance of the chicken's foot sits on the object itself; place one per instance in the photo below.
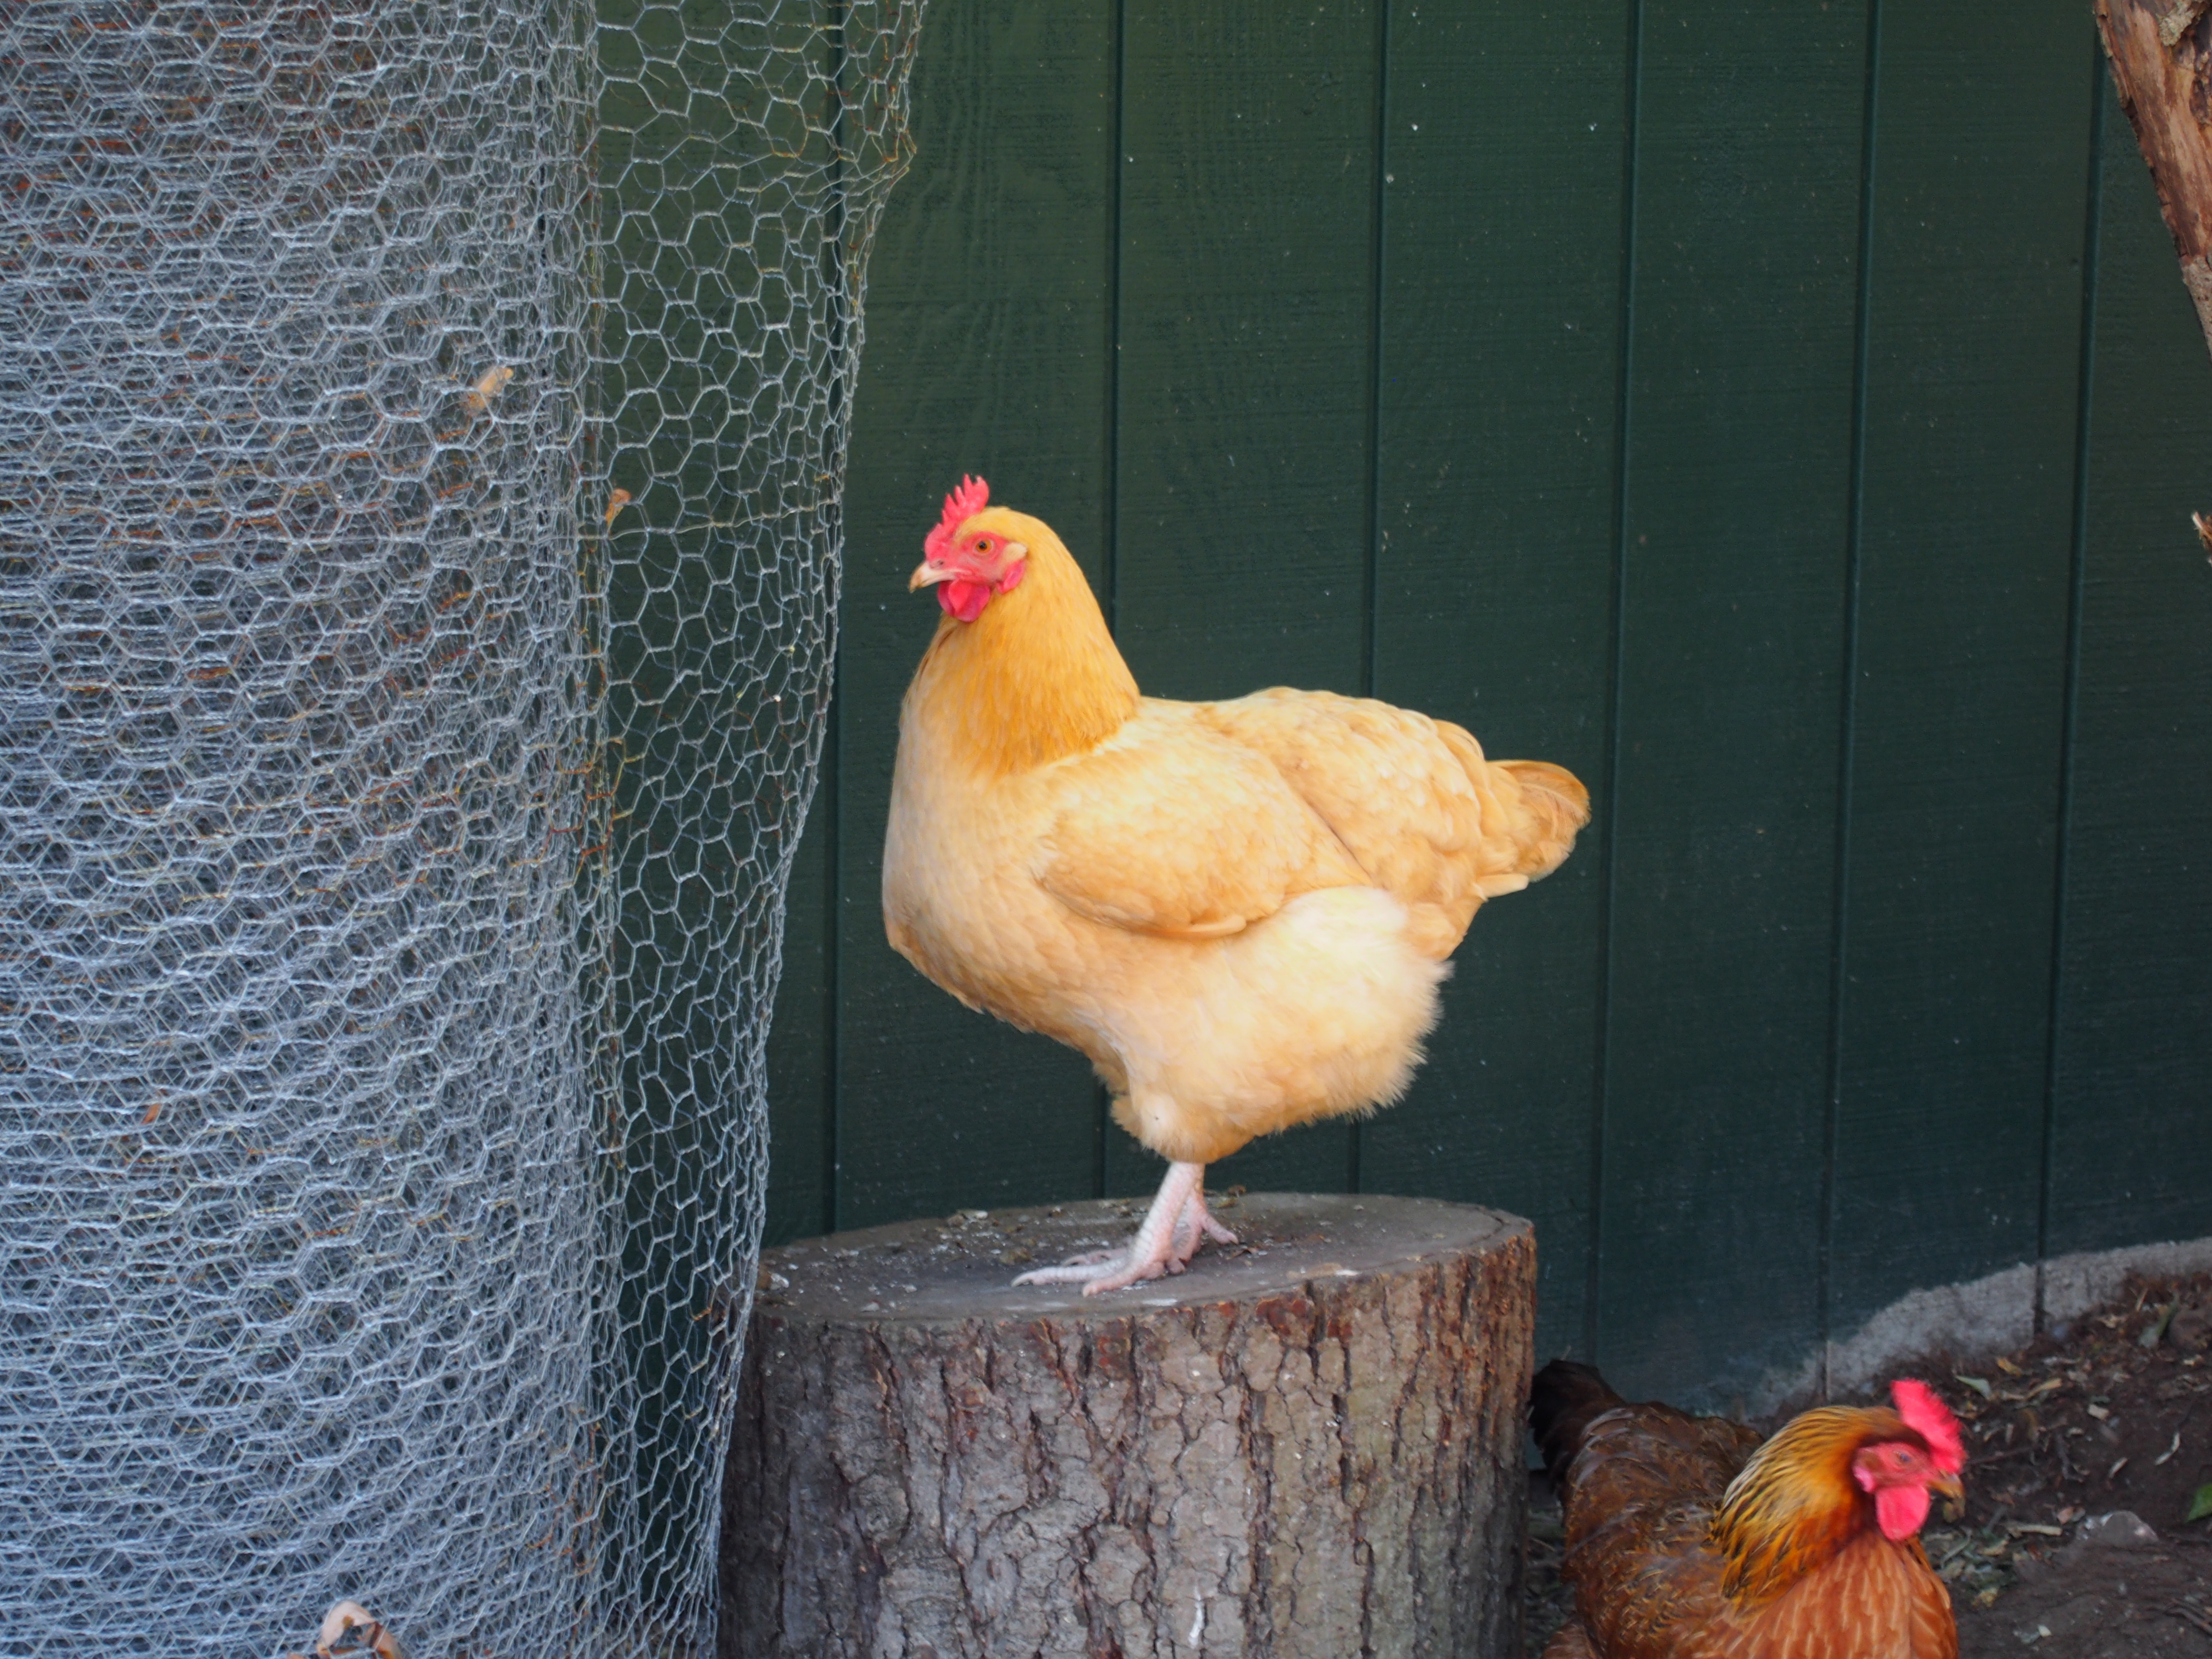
(1174, 1228)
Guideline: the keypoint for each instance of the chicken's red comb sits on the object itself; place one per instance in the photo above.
(1931, 1419)
(962, 504)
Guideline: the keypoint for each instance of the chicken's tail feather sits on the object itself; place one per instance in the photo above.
(1530, 812)
(1554, 806)
(1563, 1401)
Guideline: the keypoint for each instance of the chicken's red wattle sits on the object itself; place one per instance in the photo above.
(964, 599)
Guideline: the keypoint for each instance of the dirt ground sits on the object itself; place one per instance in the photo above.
(2085, 1450)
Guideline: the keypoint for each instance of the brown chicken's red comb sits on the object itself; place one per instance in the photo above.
(962, 504)
(1930, 1419)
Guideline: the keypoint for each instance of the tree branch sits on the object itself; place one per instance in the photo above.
(2161, 56)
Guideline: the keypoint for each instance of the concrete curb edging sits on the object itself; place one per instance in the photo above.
(1990, 1315)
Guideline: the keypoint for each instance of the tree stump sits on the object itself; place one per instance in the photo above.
(1310, 1443)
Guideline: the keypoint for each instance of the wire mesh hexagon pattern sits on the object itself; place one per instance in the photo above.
(421, 433)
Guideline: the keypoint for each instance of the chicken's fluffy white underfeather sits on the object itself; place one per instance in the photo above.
(1239, 911)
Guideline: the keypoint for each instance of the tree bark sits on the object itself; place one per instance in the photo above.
(1310, 1444)
(2161, 56)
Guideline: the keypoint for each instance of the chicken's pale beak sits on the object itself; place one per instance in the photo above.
(1953, 1491)
(929, 572)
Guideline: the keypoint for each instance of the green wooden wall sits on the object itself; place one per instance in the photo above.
(1784, 413)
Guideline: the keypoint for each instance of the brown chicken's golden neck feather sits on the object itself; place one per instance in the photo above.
(1794, 1504)
(1037, 677)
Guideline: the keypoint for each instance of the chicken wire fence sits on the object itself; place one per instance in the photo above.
(422, 431)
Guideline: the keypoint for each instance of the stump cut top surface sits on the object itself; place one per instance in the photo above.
(963, 1267)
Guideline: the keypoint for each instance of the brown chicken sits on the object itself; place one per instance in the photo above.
(1688, 1537)
(1238, 911)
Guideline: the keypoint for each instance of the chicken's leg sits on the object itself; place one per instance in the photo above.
(1174, 1227)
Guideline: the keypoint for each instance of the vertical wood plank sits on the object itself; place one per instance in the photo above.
(986, 353)
(1501, 355)
(1741, 369)
(2131, 1140)
(1966, 534)
(1248, 172)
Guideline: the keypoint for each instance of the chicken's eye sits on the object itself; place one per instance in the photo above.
(983, 543)
(1903, 1458)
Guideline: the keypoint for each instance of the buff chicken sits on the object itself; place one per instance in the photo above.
(1238, 911)
(1691, 1538)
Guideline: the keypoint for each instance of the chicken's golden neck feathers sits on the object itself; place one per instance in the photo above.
(1037, 676)
(1794, 1504)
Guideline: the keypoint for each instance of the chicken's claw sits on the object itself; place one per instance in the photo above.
(1094, 1281)
(1174, 1228)
(1088, 1258)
